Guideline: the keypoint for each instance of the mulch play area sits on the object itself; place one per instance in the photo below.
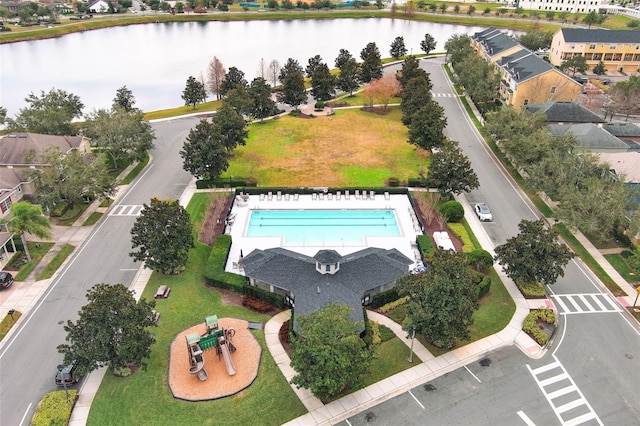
(219, 384)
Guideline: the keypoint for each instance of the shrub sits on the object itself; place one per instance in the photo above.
(452, 210)
(399, 314)
(484, 286)
(480, 259)
(532, 290)
(461, 232)
(393, 181)
(272, 298)
(54, 408)
(319, 105)
(392, 305)
(386, 333)
(416, 182)
(383, 298)
(530, 324)
(375, 333)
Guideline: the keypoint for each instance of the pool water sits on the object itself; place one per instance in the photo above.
(323, 227)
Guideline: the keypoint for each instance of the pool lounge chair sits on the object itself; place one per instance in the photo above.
(386, 196)
(261, 197)
(338, 195)
(321, 196)
(357, 194)
(314, 196)
(286, 197)
(346, 194)
(295, 197)
(279, 196)
(372, 195)
(270, 196)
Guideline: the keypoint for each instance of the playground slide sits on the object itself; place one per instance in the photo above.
(197, 366)
(231, 370)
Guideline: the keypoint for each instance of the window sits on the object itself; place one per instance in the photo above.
(573, 46)
(553, 89)
(526, 102)
(592, 46)
(4, 204)
(612, 47)
(328, 268)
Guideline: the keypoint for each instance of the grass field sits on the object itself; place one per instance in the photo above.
(293, 151)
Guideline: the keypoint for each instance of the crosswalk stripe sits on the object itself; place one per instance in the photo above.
(126, 210)
(582, 419)
(599, 303)
(552, 380)
(562, 305)
(544, 368)
(585, 303)
(570, 405)
(563, 391)
(584, 300)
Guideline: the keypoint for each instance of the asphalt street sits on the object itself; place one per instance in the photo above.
(29, 358)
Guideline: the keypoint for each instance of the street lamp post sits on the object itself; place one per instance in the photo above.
(64, 382)
(413, 337)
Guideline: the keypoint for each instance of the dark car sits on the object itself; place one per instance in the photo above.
(67, 375)
(6, 279)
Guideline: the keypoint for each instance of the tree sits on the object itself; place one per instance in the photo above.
(323, 83)
(27, 218)
(327, 353)
(216, 74)
(232, 126)
(290, 67)
(381, 91)
(626, 95)
(50, 113)
(124, 99)
(415, 94)
(70, 178)
(591, 18)
(411, 69)
(314, 62)
(120, 133)
(428, 44)
(194, 92)
(3, 115)
(450, 170)
(204, 153)
(599, 69)
(272, 72)
(232, 79)
(162, 236)
(240, 100)
(260, 93)
(458, 47)
(111, 330)
(443, 299)
(293, 91)
(398, 49)
(536, 40)
(349, 76)
(534, 255)
(471, 10)
(479, 78)
(342, 58)
(427, 126)
(262, 68)
(575, 64)
(371, 67)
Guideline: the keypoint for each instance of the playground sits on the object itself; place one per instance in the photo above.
(213, 361)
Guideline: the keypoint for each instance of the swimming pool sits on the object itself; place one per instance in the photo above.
(323, 227)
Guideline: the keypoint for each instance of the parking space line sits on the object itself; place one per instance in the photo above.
(414, 397)
(474, 376)
(525, 418)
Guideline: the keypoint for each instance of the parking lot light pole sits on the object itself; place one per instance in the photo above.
(64, 382)
(413, 337)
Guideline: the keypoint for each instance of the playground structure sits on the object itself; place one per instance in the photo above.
(214, 337)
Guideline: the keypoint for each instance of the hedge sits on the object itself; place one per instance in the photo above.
(383, 298)
(214, 273)
(273, 298)
(225, 182)
(426, 246)
(54, 408)
(532, 290)
(480, 259)
(388, 307)
(484, 286)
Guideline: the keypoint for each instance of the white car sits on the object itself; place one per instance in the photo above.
(483, 212)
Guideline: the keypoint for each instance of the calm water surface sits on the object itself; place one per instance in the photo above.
(154, 60)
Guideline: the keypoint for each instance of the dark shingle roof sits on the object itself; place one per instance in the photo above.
(589, 136)
(628, 130)
(524, 65)
(584, 35)
(565, 112)
(15, 147)
(359, 272)
(494, 41)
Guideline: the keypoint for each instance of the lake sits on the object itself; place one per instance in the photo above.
(155, 60)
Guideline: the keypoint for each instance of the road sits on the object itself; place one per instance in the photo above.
(589, 375)
(28, 360)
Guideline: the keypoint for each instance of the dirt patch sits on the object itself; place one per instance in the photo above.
(376, 110)
(214, 221)
(431, 225)
(219, 384)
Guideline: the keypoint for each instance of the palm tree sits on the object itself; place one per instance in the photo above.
(28, 218)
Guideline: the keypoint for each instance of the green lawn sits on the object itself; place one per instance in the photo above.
(55, 263)
(37, 251)
(391, 358)
(293, 152)
(621, 266)
(144, 397)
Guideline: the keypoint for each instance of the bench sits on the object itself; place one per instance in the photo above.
(163, 292)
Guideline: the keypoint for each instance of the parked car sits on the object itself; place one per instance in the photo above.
(6, 279)
(483, 212)
(66, 376)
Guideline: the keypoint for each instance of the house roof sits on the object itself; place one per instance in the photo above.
(565, 112)
(625, 164)
(625, 130)
(359, 272)
(590, 136)
(494, 41)
(16, 148)
(524, 65)
(11, 178)
(584, 35)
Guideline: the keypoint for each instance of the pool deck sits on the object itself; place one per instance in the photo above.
(241, 213)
